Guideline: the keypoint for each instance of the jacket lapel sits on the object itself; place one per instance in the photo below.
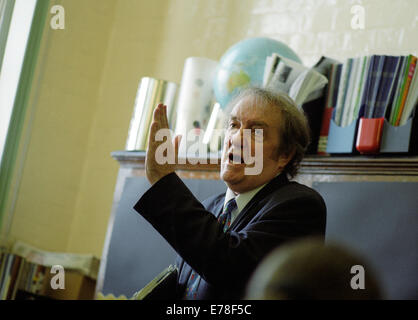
(218, 206)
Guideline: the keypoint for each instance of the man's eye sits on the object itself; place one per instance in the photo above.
(232, 125)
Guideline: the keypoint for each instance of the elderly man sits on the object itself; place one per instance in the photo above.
(222, 240)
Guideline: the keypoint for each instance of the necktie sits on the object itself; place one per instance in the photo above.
(225, 219)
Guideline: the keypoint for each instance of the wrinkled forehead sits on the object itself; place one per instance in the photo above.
(249, 107)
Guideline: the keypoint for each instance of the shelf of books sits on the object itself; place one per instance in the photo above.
(26, 274)
(21, 279)
(370, 106)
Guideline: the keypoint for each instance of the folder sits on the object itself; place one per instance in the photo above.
(341, 140)
(162, 287)
(369, 135)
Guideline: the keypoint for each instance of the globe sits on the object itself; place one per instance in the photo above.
(243, 65)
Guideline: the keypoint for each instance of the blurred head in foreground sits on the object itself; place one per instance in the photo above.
(309, 270)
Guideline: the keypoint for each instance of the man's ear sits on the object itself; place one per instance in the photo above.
(284, 159)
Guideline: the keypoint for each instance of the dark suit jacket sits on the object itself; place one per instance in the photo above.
(281, 211)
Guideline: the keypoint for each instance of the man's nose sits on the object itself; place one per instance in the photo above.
(237, 139)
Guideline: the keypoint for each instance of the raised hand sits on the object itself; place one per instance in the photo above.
(154, 167)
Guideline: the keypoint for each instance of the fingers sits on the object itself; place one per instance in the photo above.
(160, 122)
(164, 117)
(157, 115)
(160, 116)
(156, 124)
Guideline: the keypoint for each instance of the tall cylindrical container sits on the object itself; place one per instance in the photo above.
(195, 99)
(150, 93)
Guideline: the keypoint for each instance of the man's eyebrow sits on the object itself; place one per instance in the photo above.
(257, 123)
(251, 123)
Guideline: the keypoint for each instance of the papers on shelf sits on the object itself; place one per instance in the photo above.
(302, 84)
(87, 264)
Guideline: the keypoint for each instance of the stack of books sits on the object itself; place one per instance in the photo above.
(26, 272)
(16, 273)
(369, 87)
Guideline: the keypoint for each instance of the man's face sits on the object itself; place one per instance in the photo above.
(247, 115)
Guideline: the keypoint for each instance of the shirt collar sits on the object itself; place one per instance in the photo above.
(242, 199)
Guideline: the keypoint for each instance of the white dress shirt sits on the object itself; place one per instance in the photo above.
(242, 199)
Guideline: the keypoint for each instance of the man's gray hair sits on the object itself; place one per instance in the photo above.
(294, 131)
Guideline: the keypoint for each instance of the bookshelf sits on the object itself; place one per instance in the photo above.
(332, 168)
(26, 274)
(369, 106)
(313, 169)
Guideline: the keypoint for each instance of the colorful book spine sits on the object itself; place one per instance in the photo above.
(360, 89)
(350, 91)
(332, 91)
(388, 78)
(411, 70)
(374, 86)
(412, 99)
(323, 136)
(356, 94)
(337, 79)
(330, 88)
(367, 86)
(342, 90)
(6, 277)
(14, 274)
(399, 90)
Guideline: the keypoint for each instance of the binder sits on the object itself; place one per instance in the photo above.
(162, 287)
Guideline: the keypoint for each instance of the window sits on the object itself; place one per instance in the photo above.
(21, 27)
(15, 24)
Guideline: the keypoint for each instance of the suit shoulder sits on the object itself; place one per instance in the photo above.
(297, 201)
(297, 191)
